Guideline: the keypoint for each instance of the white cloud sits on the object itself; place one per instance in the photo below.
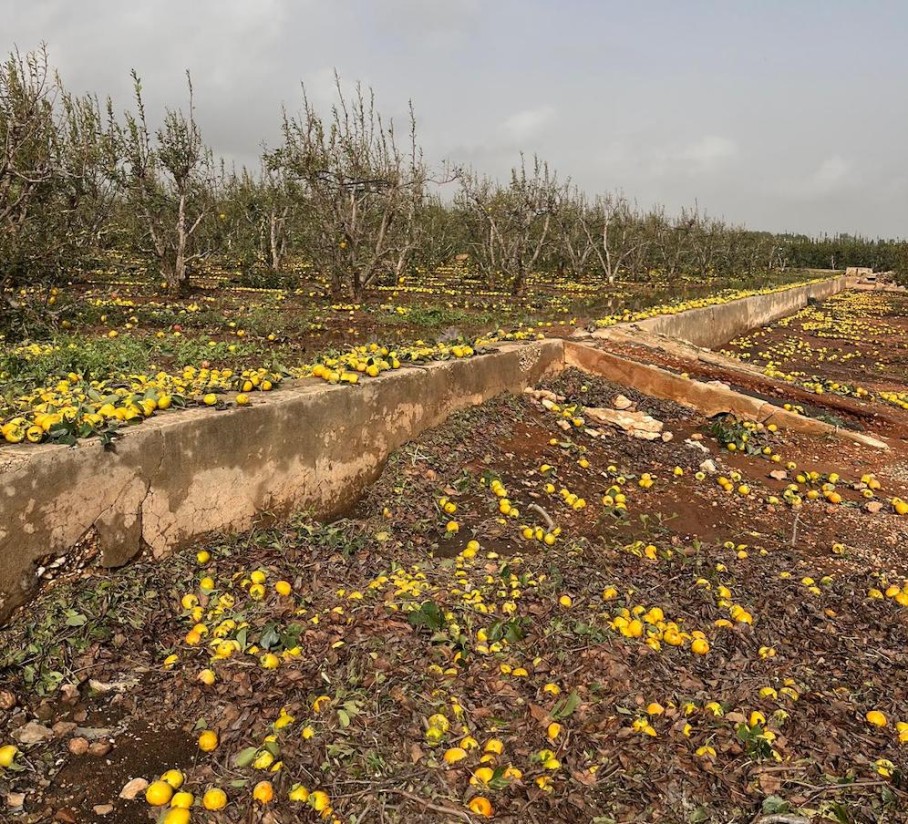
(527, 124)
(704, 156)
(833, 176)
(832, 172)
(709, 153)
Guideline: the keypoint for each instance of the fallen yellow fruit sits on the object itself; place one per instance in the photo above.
(208, 741)
(481, 806)
(182, 800)
(8, 753)
(158, 793)
(319, 801)
(173, 777)
(263, 792)
(876, 718)
(699, 646)
(214, 799)
(177, 815)
(455, 754)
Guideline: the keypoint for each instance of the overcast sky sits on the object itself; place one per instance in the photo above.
(782, 114)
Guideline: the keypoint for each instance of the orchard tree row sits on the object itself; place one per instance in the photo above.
(346, 191)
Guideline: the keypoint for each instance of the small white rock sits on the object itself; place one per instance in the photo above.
(15, 800)
(33, 733)
(133, 788)
(622, 402)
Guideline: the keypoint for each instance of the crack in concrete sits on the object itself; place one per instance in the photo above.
(144, 520)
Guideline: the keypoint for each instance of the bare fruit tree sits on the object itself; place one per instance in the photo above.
(28, 129)
(600, 237)
(55, 193)
(253, 219)
(613, 232)
(168, 180)
(357, 191)
(516, 220)
(573, 251)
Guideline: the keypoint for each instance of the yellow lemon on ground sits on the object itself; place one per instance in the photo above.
(182, 800)
(263, 761)
(210, 399)
(479, 805)
(177, 815)
(8, 753)
(158, 793)
(242, 399)
(263, 792)
(214, 799)
(208, 741)
(876, 718)
(173, 777)
(319, 801)
(699, 646)
(455, 754)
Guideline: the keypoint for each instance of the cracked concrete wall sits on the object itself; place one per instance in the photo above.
(714, 326)
(178, 476)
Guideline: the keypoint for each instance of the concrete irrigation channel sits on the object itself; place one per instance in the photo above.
(313, 447)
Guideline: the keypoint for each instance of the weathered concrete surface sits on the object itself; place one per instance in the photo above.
(175, 477)
(708, 398)
(729, 369)
(712, 326)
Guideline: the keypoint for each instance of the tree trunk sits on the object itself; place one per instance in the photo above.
(518, 284)
(179, 275)
(275, 244)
